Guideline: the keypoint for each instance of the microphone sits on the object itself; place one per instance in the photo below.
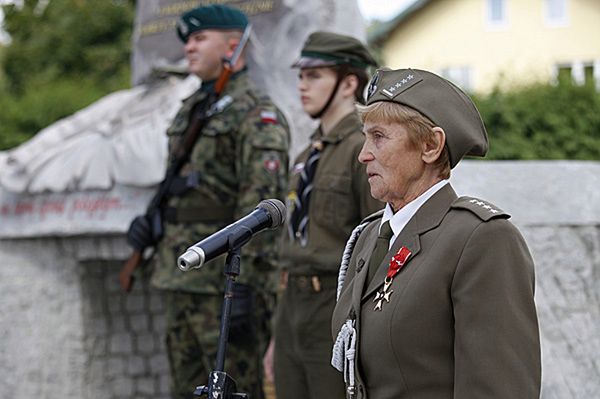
(269, 214)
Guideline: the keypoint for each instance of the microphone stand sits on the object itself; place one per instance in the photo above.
(220, 384)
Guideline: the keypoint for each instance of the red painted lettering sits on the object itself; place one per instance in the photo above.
(23, 207)
(52, 206)
(95, 205)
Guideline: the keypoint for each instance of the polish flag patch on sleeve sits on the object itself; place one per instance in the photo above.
(268, 117)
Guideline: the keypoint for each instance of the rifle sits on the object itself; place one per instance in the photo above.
(201, 113)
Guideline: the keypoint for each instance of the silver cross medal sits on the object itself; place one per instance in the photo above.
(383, 295)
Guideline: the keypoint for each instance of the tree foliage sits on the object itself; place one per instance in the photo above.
(543, 121)
(61, 58)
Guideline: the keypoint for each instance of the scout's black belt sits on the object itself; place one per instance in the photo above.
(198, 214)
(312, 283)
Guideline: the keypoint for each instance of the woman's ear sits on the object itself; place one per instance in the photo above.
(349, 85)
(432, 149)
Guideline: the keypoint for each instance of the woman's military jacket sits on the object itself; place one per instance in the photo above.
(460, 322)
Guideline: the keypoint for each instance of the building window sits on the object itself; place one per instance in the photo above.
(588, 75)
(460, 76)
(496, 14)
(556, 12)
(596, 72)
(579, 73)
(563, 74)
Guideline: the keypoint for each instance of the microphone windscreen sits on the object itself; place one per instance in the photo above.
(276, 210)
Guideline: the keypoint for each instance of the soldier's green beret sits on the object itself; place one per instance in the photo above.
(323, 49)
(216, 16)
(446, 105)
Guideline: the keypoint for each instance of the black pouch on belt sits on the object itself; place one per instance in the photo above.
(242, 324)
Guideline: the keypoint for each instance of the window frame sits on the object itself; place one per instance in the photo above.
(494, 24)
(461, 75)
(556, 21)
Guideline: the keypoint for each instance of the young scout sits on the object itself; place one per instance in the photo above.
(328, 196)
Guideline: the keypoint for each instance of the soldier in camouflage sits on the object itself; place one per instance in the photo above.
(240, 159)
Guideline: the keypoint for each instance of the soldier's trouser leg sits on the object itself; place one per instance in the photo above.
(303, 345)
(193, 327)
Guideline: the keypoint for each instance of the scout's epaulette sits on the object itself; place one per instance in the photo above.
(484, 210)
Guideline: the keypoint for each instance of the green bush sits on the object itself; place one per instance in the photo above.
(43, 104)
(60, 59)
(543, 121)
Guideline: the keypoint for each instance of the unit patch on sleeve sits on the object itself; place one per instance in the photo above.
(271, 163)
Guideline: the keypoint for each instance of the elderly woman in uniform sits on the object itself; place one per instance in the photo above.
(435, 294)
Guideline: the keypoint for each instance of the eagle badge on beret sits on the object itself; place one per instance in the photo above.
(195, 22)
(373, 85)
(182, 27)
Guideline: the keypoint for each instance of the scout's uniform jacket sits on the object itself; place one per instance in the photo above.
(240, 159)
(461, 320)
(341, 198)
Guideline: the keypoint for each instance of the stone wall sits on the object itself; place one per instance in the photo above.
(556, 205)
(124, 336)
(67, 332)
(66, 329)
(568, 303)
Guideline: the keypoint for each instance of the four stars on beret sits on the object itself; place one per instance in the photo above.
(398, 85)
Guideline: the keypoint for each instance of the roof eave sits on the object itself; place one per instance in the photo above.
(384, 30)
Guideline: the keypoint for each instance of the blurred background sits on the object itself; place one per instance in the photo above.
(87, 89)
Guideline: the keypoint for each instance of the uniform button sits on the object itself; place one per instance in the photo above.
(302, 282)
(360, 265)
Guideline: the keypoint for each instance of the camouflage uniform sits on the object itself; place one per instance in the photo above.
(239, 159)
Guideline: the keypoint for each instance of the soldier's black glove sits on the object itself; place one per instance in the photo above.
(140, 235)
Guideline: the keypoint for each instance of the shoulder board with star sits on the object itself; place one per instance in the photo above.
(483, 209)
